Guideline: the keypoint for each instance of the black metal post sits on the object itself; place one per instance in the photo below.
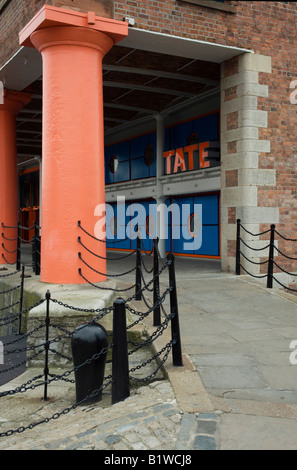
(271, 258)
(238, 248)
(21, 299)
(37, 266)
(120, 363)
(46, 345)
(36, 250)
(157, 309)
(34, 241)
(89, 344)
(138, 270)
(175, 331)
(18, 263)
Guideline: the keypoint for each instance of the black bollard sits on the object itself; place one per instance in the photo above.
(88, 341)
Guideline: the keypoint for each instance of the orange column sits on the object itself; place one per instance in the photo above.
(73, 182)
(13, 103)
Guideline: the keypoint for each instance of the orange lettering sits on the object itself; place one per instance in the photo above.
(203, 154)
(190, 150)
(168, 156)
(179, 160)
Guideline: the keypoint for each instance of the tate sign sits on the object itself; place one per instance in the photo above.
(192, 157)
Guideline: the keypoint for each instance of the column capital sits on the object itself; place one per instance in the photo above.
(48, 17)
(71, 35)
(14, 101)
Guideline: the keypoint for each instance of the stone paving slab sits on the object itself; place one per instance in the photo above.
(258, 433)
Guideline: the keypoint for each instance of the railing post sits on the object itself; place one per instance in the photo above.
(238, 248)
(18, 262)
(34, 253)
(120, 363)
(271, 258)
(138, 270)
(157, 310)
(175, 331)
(37, 269)
(21, 299)
(46, 345)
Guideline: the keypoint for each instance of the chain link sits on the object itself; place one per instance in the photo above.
(10, 290)
(55, 415)
(166, 348)
(105, 274)
(100, 313)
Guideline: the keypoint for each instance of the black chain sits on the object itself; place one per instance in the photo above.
(143, 315)
(285, 238)
(8, 226)
(9, 239)
(166, 348)
(55, 415)
(158, 274)
(105, 257)
(104, 310)
(255, 234)
(285, 287)
(147, 253)
(9, 306)
(9, 274)
(149, 271)
(105, 288)
(16, 366)
(254, 262)
(284, 255)
(255, 249)
(158, 331)
(105, 274)
(10, 290)
(283, 270)
(31, 384)
(25, 335)
(10, 319)
(8, 251)
(253, 275)
(98, 239)
(69, 359)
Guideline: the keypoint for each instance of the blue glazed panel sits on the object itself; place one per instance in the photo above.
(210, 206)
(207, 127)
(122, 173)
(139, 169)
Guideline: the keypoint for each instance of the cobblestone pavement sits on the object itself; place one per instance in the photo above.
(150, 419)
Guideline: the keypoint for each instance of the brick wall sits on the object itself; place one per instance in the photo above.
(15, 16)
(18, 12)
